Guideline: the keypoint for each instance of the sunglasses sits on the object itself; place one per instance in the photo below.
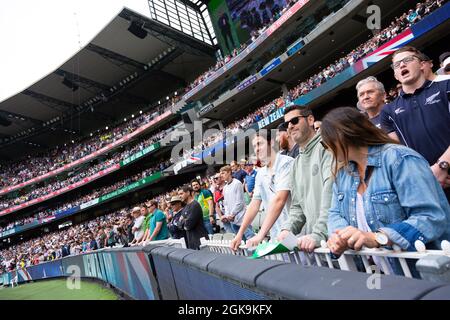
(294, 121)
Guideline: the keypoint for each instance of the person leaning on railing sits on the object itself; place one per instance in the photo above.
(384, 193)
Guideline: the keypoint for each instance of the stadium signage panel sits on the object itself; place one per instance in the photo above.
(246, 83)
(296, 47)
(135, 185)
(285, 17)
(271, 118)
(89, 204)
(206, 109)
(8, 232)
(88, 157)
(140, 154)
(270, 67)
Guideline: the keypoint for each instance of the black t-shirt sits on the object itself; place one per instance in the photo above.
(376, 121)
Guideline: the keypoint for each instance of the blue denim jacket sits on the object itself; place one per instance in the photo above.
(403, 198)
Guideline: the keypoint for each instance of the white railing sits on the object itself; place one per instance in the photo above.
(176, 243)
(323, 257)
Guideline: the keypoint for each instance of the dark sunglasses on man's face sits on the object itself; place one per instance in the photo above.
(294, 121)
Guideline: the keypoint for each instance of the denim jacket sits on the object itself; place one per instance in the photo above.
(403, 198)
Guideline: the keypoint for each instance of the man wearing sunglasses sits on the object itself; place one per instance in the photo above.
(419, 117)
(310, 181)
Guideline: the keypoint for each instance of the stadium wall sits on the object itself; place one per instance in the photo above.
(168, 273)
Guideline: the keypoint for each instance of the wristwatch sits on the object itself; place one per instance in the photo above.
(381, 238)
(444, 165)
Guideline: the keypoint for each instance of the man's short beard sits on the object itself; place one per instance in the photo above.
(284, 142)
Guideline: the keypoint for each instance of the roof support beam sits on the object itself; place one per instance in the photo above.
(50, 101)
(115, 58)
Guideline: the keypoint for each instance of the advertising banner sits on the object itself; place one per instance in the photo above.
(270, 67)
(246, 83)
(140, 154)
(130, 187)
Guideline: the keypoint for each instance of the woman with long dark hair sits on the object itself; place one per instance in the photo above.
(384, 193)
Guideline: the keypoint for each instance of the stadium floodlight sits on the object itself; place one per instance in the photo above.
(132, 115)
(136, 29)
(69, 84)
(106, 128)
(140, 112)
(125, 119)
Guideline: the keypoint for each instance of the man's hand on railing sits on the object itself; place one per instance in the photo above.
(236, 242)
(336, 244)
(283, 234)
(254, 241)
(306, 243)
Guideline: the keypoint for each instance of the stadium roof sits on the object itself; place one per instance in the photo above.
(122, 70)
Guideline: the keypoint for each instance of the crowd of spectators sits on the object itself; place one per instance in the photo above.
(254, 34)
(395, 28)
(33, 167)
(93, 194)
(85, 173)
(111, 230)
(98, 233)
(116, 228)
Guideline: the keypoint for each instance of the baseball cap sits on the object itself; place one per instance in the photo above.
(444, 59)
(282, 127)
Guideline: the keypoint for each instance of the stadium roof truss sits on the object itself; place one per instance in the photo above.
(189, 16)
(116, 71)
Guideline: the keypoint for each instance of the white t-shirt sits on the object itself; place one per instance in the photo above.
(137, 224)
(267, 184)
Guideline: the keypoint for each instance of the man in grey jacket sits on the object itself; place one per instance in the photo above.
(311, 182)
(234, 203)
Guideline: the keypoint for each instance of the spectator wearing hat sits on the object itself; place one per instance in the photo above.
(175, 227)
(287, 144)
(138, 225)
(444, 60)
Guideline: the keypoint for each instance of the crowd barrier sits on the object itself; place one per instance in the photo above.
(166, 270)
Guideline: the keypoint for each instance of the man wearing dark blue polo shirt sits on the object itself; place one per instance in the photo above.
(420, 116)
(249, 184)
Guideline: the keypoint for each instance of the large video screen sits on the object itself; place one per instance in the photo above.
(235, 20)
